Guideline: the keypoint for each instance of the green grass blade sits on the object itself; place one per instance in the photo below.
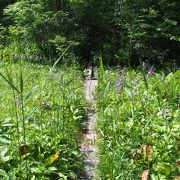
(27, 117)
(21, 83)
(101, 66)
(145, 80)
(62, 55)
(8, 74)
(10, 83)
(29, 93)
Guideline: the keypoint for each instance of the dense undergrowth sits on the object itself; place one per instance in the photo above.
(41, 120)
(42, 107)
(138, 122)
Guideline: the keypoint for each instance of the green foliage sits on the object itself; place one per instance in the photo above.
(41, 121)
(138, 121)
(3, 37)
(24, 50)
(101, 66)
(123, 31)
(3, 4)
(38, 24)
(153, 29)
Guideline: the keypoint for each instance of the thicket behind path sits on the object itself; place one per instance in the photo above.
(89, 136)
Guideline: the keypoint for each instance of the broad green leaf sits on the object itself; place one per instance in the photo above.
(3, 174)
(4, 140)
(62, 176)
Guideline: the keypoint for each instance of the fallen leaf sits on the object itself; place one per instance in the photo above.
(147, 151)
(177, 178)
(178, 162)
(145, 175)
(53, 158)
(23, 149)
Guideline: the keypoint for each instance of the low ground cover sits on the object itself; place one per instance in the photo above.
(138, 124)
(41, 120)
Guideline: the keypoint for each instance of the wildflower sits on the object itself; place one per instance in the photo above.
(134, 91)
(119, 85)
(165, 112)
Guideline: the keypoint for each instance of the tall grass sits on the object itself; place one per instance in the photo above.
(41, 118)
(138, 122)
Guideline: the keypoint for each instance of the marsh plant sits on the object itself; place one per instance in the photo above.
(138, 124)
(42, 112)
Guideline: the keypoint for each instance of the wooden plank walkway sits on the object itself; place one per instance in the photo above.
(88, 145)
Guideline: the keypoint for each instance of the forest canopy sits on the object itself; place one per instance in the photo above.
(125, 32)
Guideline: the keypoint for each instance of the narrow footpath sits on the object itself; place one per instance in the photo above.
(88, 145)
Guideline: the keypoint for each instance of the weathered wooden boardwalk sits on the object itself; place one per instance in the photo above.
(89, 136)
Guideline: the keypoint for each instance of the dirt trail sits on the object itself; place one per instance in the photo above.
(89, 136)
